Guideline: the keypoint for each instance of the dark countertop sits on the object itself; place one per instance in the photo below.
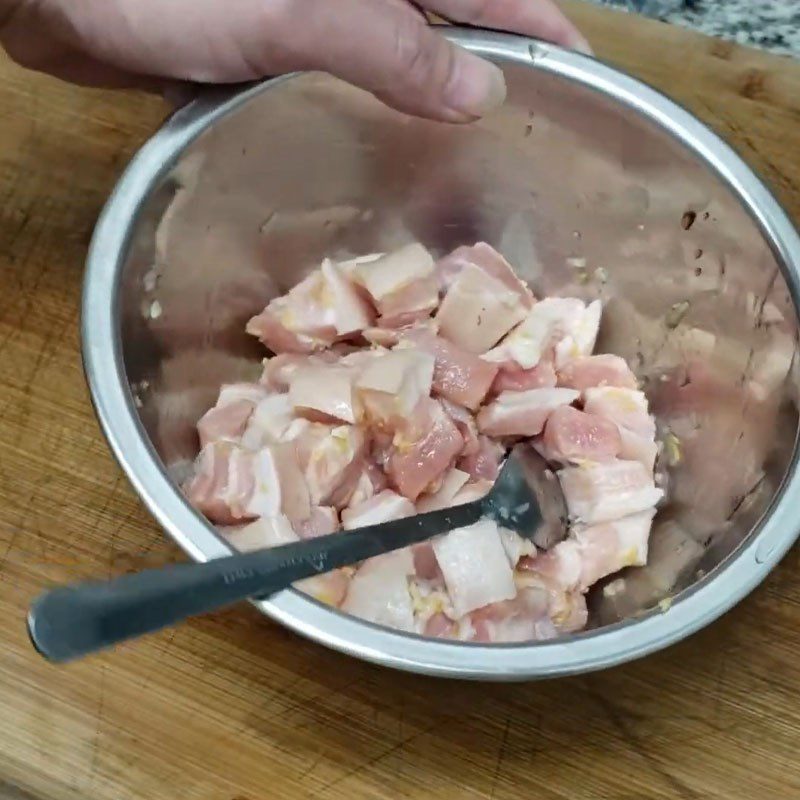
(772, 25)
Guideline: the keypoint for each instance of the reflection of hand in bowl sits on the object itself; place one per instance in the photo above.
(583, 181)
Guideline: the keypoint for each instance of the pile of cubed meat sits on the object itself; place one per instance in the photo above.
(397, 385)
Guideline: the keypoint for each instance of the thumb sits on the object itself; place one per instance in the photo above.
(388, 49)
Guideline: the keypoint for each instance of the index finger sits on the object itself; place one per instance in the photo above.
(540, 18)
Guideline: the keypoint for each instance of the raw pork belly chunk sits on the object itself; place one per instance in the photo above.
(395, 386)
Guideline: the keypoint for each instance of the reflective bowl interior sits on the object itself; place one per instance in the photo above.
(583, 194)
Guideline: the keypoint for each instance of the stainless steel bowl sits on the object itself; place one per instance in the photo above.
(589, 182)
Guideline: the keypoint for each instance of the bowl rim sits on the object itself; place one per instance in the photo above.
(113, 402)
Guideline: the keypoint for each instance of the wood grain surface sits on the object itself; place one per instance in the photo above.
(232, 707)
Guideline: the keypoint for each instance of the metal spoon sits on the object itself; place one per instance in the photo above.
(73, 621)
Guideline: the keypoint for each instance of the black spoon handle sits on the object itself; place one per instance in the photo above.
(73, 621)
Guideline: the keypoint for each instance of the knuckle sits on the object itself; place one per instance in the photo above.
(478, 12)
(415, 56)
(281, 21)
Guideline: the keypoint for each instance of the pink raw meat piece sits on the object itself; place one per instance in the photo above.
(563, 326)
(222, 483)
(306, 438)
(351, 312)
(322, 521)
(378, 592)
(458, 375)
(235, 392)
(467, 427)
(330, 588)
(581, 339)
(278, 370)
(410, 305)
(512, 378)
(600, 370)
(574, 436)
(638, 448)
(566, 608)
(278, 484)
(272, 421)
(475, 566)
(232, 484)
(325, 394)
(605, 492)
(268, 328)
(472, 491)
(402, 285)
(382, 507)
(323, 307)
(452, 484)
(228, 422)
(486, 258)
(522, 413)
(426, 566)
(229, 416)
(439, 626)
(423, 450)
(626, 407)
(261, 534)
(612, 546)
(300, 321)
(478, 310)
(370, 482)
(484, 463)
(594, 552)
(334, 466)
(523, 618)
(516, 546)
(389, 337)
(393, 384)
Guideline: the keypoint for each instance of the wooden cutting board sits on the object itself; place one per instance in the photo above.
(232, 707)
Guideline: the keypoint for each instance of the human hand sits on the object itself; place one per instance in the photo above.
(384, 46)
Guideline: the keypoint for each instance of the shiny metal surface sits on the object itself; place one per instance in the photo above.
(589, 183)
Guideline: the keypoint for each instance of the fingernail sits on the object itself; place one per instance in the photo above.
(582, 46)
(477, 87)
